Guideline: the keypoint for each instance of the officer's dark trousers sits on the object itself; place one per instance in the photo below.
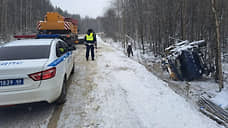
(129, 51)
(88, 48)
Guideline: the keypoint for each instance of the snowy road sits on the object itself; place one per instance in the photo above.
(117, 92)
(111, 92)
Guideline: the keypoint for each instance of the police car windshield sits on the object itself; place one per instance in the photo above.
(24, 52)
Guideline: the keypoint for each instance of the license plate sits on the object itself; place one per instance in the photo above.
(11, 82)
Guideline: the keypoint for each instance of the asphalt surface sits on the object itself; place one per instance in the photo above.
(26, 116)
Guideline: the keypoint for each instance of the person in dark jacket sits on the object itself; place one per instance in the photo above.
(91, 42)
(129, 50)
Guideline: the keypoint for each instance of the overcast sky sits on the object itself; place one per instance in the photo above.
(91, 8)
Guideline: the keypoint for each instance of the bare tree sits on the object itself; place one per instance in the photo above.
(218, 46)
(152, 24)
(21, 16)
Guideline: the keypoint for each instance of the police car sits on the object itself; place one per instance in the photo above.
(34, 70)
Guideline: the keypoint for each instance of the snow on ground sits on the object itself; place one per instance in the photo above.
(1, 43)
(221, 99)
(206, 87)
(138, 56)
(128, 96)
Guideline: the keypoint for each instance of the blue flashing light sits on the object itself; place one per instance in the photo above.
(48, 36)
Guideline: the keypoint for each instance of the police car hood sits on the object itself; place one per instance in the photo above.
(21, 67)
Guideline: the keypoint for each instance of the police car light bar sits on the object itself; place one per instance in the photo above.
(24, 36)
(48, 36)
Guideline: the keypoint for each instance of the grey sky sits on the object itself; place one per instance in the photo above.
(91, 8)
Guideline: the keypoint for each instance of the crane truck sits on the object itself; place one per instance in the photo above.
(54, 23)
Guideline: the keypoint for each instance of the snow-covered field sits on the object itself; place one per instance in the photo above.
(126, 95)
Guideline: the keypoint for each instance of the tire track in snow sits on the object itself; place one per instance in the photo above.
(73, 112)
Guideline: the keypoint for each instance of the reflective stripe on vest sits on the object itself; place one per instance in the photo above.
(89, 37)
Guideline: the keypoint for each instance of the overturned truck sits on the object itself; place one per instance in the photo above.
(185, 60)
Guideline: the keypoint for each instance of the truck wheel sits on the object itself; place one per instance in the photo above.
(62, 97)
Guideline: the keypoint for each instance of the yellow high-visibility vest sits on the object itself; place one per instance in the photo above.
(89, 37)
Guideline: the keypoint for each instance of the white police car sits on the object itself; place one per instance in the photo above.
(34, 70)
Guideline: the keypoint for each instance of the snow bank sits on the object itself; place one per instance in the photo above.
(1, 43)
(221, 99)
(176, 49)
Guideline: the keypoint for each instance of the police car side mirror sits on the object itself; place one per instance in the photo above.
(58, 54)
(72, 48)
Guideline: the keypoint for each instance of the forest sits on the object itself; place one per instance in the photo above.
(156, 24)
(21, 16)
(152, 24)
(161, 21)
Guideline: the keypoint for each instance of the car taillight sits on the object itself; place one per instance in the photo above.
(43, 75)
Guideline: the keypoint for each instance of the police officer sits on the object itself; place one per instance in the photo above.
(90, 39)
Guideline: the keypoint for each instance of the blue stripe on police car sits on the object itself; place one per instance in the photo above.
(60, 59)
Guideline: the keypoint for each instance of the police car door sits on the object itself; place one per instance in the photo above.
(68, 58)
(60, 53)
